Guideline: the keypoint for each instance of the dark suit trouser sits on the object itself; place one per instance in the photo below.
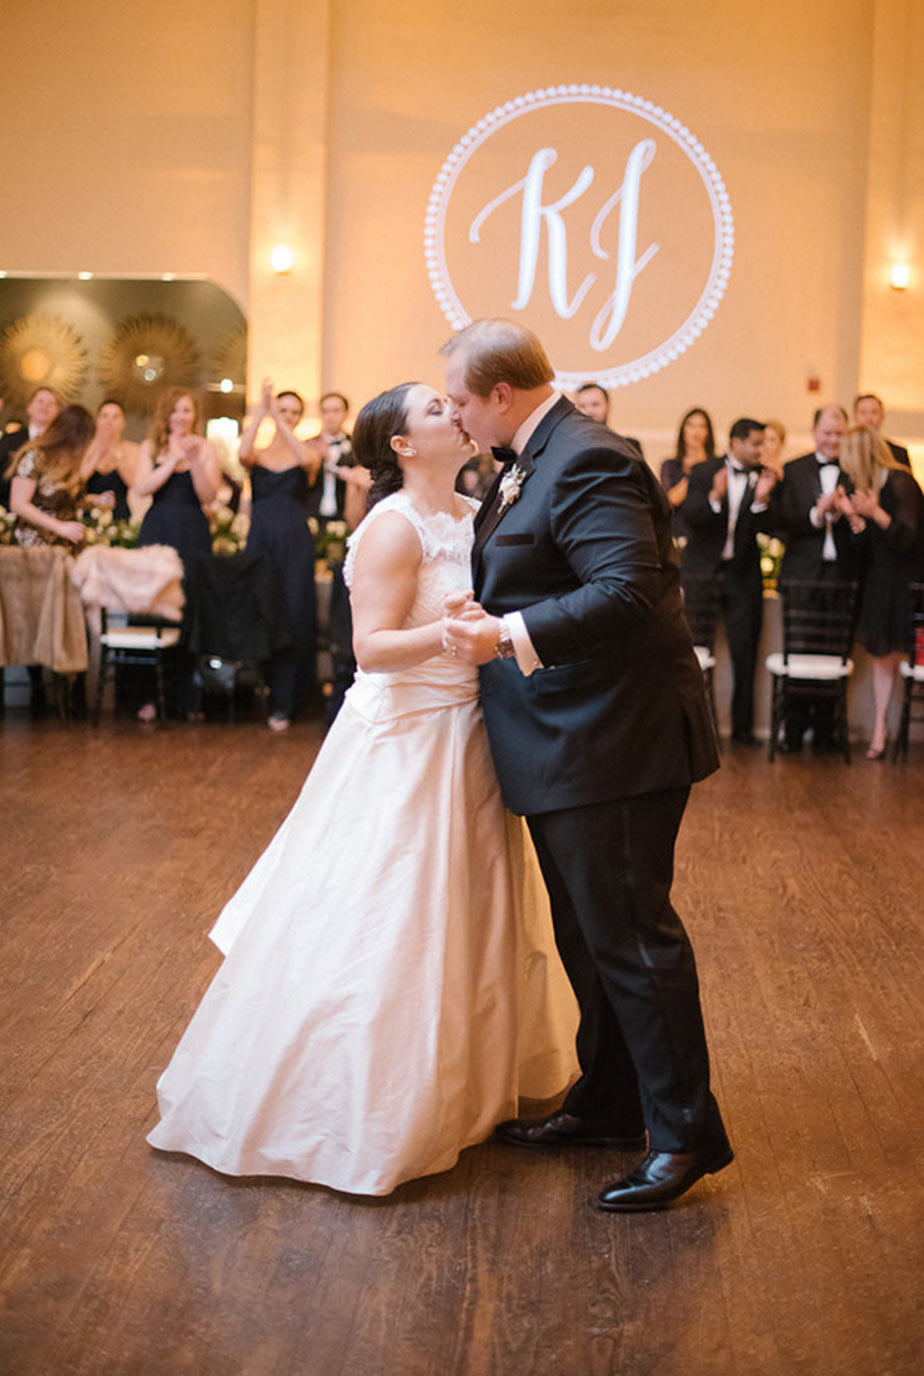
(742, 612)
(641, 1043)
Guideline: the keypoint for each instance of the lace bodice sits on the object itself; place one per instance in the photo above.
(446, 546)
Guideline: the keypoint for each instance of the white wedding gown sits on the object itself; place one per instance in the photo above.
(390, 983)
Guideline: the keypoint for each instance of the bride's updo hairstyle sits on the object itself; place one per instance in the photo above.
(376, 426)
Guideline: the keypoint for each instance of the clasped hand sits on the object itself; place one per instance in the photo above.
(468, 632)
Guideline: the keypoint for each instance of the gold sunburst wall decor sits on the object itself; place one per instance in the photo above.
(229, 358)
(145, 354)
(41, 351)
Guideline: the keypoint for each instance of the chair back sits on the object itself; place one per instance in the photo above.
(701, 607)
(818, 618)
(916, 643)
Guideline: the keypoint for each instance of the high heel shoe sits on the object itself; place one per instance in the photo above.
(873, 754)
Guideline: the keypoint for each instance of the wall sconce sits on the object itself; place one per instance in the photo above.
(282, 258)
(899, 276)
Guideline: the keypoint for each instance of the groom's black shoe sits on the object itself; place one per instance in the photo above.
(663, 1177)
(563, 1130)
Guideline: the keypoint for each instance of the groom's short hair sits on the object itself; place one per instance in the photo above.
(500, 351)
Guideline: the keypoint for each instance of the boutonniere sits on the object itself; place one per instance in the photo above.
(510, 485)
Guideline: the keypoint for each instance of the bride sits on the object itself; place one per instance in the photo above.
(390, 985)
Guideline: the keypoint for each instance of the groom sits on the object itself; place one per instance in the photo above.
(598, 723)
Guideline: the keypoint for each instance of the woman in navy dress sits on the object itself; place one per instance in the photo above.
(181, 473)
(281, 475)
(110, 461)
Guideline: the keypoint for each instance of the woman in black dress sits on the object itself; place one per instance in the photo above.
(110, 461)
(887, 509)
(695, 443)
(181, 472)
(281, 475)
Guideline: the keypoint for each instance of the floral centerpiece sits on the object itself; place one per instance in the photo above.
(103, 529)
(330, 539)
(771, 556)
(229, 530)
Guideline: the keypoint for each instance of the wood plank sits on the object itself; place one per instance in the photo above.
(801, 885)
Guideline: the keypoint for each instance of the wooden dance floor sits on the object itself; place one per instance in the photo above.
(802, 884)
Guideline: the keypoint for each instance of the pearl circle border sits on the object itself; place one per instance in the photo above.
(724, 243)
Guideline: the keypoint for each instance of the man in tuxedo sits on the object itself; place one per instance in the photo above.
(41, 410)
(868, 410)
(593, 400)
(727, 505)
(598, 723)
(820, 546)
(328, 501)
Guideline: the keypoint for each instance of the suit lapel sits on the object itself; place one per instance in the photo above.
(490, 514)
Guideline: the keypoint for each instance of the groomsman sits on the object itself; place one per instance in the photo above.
(330, 491)
(593, 400)
(42, 408)
(820, 546)
(727, 505)
(868, 410)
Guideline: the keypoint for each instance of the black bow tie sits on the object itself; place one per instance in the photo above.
(507, 457)
(825, 463)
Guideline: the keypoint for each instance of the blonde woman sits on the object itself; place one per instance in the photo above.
(774, 446)
(887, 509)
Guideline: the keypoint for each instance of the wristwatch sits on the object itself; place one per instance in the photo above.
(504, 648)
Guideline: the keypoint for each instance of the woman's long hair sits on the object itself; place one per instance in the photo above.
(159, 433)
(376, 426)
(681, 450)
(864, 456)
(62, 446)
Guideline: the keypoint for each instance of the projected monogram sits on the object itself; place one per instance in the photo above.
(624, 205)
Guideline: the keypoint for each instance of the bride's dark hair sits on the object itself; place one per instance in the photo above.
(376, 425)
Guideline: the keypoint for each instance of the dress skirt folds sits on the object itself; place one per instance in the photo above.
(390, 985)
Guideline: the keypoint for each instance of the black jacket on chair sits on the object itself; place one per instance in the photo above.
(585, 553)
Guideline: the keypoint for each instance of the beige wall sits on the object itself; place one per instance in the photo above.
(171, 136)
(126, 133)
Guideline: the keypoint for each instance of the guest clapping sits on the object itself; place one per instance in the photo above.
(111, 461)
(886, 509)
(181, 472)
(695, 444)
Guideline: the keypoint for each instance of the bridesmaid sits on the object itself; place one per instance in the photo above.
(280, 477)
(111, 460)
(181, 472)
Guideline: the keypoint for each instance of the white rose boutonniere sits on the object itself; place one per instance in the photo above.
(510, 486)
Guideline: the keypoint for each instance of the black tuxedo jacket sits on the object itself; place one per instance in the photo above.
(794, 498)
(708, 529)
(585, 553)
(900, 453)
(10, 443)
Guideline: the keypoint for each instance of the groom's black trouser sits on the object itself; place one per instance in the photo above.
(641, 1044)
